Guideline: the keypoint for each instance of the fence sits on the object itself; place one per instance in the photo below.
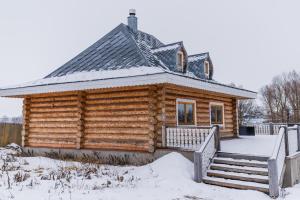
(276, 162)
(204, 156)
(188, 138)
(10, 133)
(268, 128)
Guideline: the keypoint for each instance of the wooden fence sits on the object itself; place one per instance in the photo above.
(270, 128)
(10, 133)
(188, 138)
(267, 128)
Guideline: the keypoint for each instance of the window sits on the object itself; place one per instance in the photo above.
(217, 114)
(180, 59)
(186, 112)
(206, 68)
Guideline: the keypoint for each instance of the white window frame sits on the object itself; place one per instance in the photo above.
(178, 100)
(223, 113)
(181, 64)
(206, 63)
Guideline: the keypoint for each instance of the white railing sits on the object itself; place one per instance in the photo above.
(276, 163)
(262, 129)
(189, 138)
(267, 128)
(203, 157)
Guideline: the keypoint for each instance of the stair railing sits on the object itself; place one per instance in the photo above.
(276, 163)
(203, 157)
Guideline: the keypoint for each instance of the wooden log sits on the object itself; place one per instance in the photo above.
(53, 119)
(109, 124)
(53, 104)
(118, 94)
(117, 90)
(52, 115)
(49, 98)
(52, 125)
(112, 137)
(50, 145)
(117, 107)
(62, 109)
(136, 119)
(52, 136)
(114, 146)
(136, 131)
(54, 130)
(117, 100)
(110, 113)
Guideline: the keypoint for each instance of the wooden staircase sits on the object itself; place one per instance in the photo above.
(239, 171)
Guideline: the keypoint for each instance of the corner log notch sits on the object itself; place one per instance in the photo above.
(80, 123)
(152, 118)
(25, 128)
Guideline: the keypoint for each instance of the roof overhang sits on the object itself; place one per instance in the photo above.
(147, 79)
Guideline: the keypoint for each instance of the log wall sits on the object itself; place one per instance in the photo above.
(120, 119)
(52, 121)
(129, 118)
(169, 93)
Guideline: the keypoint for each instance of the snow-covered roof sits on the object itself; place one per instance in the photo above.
(119, 78)
(167, 47)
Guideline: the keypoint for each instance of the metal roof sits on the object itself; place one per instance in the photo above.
(122, 48)
(133, 54)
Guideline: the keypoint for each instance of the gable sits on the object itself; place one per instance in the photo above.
(196, 65)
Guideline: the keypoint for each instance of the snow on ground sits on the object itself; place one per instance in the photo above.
(168, 178)
(254, 145)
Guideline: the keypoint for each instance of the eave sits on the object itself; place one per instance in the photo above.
(147, 79)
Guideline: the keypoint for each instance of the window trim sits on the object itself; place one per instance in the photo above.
(206, 63)
(190, 101)
(181, 64)
(223, 113)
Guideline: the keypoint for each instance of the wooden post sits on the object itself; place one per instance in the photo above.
(273, 178)
(198, 176)
(271, 128)
(26, 115)
(163, 135)
(236, 117)
(298, 137)
(286, 140)
(80, 122)
(217, 138)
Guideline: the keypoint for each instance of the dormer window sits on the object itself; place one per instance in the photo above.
(180, 60)
(206, 68)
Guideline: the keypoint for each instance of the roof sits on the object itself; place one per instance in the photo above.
(123, 48)
(120, 78)
(128, 57)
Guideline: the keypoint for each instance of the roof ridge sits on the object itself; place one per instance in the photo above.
(199, 54)
(180, 42)
(137, 46)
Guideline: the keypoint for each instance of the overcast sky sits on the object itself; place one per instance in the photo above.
(249, 42)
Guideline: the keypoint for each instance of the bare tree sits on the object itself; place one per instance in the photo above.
(281, 98)
(247, 109)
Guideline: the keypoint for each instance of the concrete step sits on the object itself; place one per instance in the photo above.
(241, 156)
(238, 176)
(239, 169)
(240, 162)
(236, 184)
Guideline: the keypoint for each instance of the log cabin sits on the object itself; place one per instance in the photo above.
(128, 92)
